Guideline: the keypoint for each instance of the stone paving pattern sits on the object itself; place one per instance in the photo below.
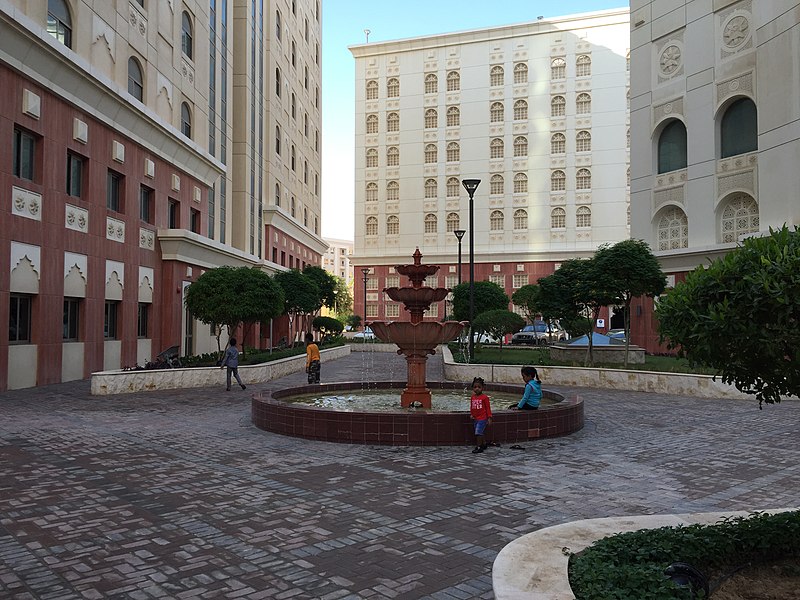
(175, 494)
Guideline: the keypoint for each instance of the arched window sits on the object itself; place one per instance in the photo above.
(520, 183)
(520, 146)
(277, 82)
(393, 156)
(453, 116)
(583, 217)
(453, 187)
(558, 143)
(393, 88)
(186, 120)
(135, 79)
(294, 53)
(739, 217)
(371, 226)
(430, 188)
(294, 111)
(496, 148)
(558, 68)
(372, 123)
(431, 118)
(277, 194)
(583, 104)
(293, 208)
(293, 159)
(558, 181)
(371, 193)
(739, 128)
(305, 217)
(496, 220)
(583, 141)
(496, 76)
(372, 158)
(628, 138)
(431, 153)
(278, 24)
(453, 81)
(372, 90)
(277, 140)
(558, 218)
(520, 73)
(520, 219)
(393, 122)
(453, 222)
(673, 229)
(628, 177)
(187, 43)
(59, 22)
(393, 225)
(392, 191)
(430, 223)
(453, 152)
(583, 179)
(496, 185)
(431, 83)
(558, 106)
(672, 147)
(520, 110)
(496, 111)
(583, 66)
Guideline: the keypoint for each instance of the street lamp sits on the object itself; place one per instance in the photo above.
(459, 235)
(365, 271)
(471, 185)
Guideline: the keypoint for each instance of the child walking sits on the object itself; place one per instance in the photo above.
(313, 365)
(231, 360)
(481, 411)
(533, 390)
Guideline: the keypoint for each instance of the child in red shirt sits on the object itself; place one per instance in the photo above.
(481, 412)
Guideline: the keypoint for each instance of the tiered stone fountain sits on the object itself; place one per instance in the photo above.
(416, 339)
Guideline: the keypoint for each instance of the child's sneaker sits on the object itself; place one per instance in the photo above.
(478, 449)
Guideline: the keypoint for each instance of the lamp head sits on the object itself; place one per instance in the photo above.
(460, 233)
(470, 185)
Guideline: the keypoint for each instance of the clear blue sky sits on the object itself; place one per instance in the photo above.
(343, 24)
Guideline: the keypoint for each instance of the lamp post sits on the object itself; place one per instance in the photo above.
(471, 185)
(459, 235)
(365, 272)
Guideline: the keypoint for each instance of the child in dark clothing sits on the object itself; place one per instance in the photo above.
(481, 411)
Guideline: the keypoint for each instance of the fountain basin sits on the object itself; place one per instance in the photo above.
(412, 428)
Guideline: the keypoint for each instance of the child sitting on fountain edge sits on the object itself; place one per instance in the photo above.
(481, 411)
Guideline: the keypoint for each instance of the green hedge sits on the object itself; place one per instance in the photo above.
(256, 356)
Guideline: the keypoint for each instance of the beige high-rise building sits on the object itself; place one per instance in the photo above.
(537, 111)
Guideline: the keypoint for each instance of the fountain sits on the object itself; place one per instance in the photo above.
(415, 422)
(416, 339)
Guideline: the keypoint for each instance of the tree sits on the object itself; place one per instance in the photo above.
(354, 321)
(498, 323)
(328, 327)
(326, 284)
(488, 296)
(343, 299)
(528, 297)
(227, 296)
(301, 295)
(741, 316)
(630, 270)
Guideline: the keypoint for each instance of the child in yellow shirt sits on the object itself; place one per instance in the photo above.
(312, 359)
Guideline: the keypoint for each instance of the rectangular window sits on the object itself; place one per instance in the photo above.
(195, 220)
(393, 280)
(372, 283)
(71, 319)
(173, 214)
(146, 204)
(520, 281)
(499, 280)
(74, 175)
(24, 153)
(451, 281)
(19, 319)
(114, 191)
(142, 321)
(433, 311)
(110, 320)
(392, 310)
(372, 310)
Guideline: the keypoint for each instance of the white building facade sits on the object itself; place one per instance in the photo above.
(536, 111)
(337, 259)
(714, 112)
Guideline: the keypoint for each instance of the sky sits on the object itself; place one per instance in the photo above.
(343, 25)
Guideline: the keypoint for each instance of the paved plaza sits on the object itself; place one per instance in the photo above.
(175, 494)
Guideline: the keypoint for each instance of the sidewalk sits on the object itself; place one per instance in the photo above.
(175, 495)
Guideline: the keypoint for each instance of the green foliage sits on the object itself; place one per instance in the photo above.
(528, 297)
(630, 566)
(354, 321)
(326, 283)
(328, 327)
(301, 293)
(343, 298)
(498, 323)
(741, 316)
(488, 296)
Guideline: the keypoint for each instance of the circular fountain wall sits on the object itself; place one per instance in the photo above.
(403, 427)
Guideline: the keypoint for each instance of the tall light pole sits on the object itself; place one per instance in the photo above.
(471, 185)
(365, 272)
(459, 235)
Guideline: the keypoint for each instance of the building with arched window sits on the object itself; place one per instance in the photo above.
(483, 105)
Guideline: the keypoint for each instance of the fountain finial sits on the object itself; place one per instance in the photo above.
(417, 256)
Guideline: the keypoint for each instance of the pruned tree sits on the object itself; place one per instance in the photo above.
(487, 296)
(326, 283)
(527, 297)
(301, 295)
(741, 316)
(328, 327)
(498, 323)
(630, 270)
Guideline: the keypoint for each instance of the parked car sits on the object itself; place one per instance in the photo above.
(616, 334)
(483, 338)
(539, 333)
(365, 335)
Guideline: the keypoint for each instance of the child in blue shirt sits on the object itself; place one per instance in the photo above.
(533, 390)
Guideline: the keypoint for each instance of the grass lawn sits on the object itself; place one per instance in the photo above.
(540, 356)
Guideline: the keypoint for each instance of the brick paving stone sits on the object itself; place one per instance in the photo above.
(174, 494)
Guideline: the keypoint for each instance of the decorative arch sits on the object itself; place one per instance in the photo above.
(672, 228)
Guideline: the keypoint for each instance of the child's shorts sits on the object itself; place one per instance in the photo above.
(480, 426)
